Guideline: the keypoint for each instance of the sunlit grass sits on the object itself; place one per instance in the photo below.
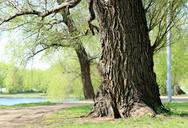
(70, 118)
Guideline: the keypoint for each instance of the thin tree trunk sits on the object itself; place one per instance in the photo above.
(129, 85)
(84, 63)
(85, 72)
(82, 56)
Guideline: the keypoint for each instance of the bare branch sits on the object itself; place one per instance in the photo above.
(70, 3)
(45, 47)
(92, 17)
(162, 31)
(33, 12)
(14, 4)
(155, 15)
(151, 2)
(157, 20)
(37, 52)
(91, 58)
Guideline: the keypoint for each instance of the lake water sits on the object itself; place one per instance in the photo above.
(14, 101)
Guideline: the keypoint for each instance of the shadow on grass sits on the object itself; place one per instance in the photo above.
(177, 113)
(177, 109)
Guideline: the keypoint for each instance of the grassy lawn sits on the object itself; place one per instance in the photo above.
(70, 118)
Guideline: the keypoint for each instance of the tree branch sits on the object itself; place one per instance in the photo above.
(92, 17)
(71, 3)
(151, 2)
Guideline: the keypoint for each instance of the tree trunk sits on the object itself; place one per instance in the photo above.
(81, 54)
(84, 63)
(85, 72)
(129, 85)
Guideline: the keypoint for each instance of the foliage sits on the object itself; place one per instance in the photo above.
(21, 80)
(179, 64)
(60, 81)
(3, 72)
(66, 79)
(13, 80)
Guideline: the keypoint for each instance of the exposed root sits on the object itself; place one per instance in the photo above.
(101, 108)
(140, 109)
(105, 107)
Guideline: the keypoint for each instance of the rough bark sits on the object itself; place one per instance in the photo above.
(82, 56)
(129, 85)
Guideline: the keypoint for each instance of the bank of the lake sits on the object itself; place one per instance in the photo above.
(23, 95)
(22, 98)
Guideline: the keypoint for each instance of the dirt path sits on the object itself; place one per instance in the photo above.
(19, 117)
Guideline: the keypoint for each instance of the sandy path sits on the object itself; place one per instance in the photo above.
(19, 117)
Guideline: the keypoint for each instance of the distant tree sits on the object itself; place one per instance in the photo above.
(3, 72)
(13, 80)
(53, 32)
(70, 84)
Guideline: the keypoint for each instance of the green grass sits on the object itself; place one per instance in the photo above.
(28, 105)
(70, 118)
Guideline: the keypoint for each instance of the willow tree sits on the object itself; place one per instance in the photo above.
(129, 86)
(64, 29)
